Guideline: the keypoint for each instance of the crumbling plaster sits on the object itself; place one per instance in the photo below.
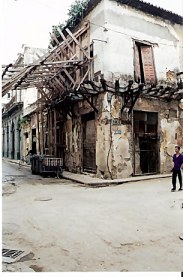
(170, 129)
(114, 139)
(119, 26)
(172, 132)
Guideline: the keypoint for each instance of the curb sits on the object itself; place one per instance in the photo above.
(96, 182)
(106, 183)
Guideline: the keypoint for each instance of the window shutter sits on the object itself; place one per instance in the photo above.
(137, 64)
(148, 64)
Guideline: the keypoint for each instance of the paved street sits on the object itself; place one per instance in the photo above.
(65, 226)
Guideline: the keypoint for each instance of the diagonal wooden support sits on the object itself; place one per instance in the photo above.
(53, 36)
(77, 42)
(87, 99)
(59, 83)
(65, 39)
(69, 76)
(64, 52)
(40, 89)
(83, 78)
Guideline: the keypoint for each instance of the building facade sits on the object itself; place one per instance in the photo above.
(135, 43)
(15, 104)
(110, 102)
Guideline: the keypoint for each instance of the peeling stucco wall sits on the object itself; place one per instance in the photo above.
(12, 144)
(114, 138)
(170, 128)
(118, 26)
(172, 134)
(113, 141)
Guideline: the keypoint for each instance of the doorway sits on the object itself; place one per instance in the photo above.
(89, 142)
(146, 146)
(34, 151)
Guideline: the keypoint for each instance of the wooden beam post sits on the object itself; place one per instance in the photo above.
(55, 132)
(38, 133)
(50, 134)
(42, 133)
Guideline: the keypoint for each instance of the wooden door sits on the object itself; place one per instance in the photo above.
(148, 64)
(89, 143)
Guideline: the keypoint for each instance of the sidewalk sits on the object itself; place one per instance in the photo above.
(16, 162)
(93, 181)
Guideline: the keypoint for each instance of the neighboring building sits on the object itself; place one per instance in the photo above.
(112, 94)
(14, 104)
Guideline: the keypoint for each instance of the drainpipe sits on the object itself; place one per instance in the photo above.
(109, 98)
(133, 144)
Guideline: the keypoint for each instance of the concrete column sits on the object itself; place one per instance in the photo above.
(7, 141)
(17, 154)
(10, 140)
(15, 139)
(3, 141)
(21, 142)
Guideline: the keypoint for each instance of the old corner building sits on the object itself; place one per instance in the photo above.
(109, 94)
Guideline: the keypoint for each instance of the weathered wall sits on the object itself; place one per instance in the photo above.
(28, 96)
(26, 142)
(179, 31)
(170, 128)
(97, 36)
(27, 126)
(12, 148)
(32, 54)
(113, 141)
(115, 59)
(114, 138)
(74, 133)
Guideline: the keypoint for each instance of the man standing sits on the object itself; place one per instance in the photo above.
(178, 165)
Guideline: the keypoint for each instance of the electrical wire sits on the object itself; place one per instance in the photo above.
(109, 29)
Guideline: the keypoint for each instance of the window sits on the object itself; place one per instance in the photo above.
(144, 63)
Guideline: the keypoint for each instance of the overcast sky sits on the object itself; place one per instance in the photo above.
(30, 21)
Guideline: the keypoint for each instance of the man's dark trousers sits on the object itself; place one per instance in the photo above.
(174, 176)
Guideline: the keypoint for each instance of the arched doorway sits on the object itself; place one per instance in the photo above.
(12, 140)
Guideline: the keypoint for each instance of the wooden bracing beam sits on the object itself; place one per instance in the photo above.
(65, 40)
(43, 93)
(78, 44)
(56, 69)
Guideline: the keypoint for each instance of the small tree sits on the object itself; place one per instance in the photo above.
(76, 11)
(75, 14)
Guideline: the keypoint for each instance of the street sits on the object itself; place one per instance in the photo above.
(65, 226)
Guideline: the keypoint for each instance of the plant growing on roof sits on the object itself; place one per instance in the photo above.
(76, 11)
(75, 14)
